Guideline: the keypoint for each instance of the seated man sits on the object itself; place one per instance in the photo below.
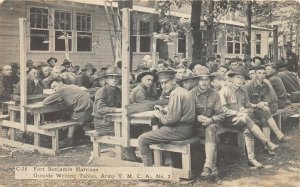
(44, 70)
(34, 84)
(209, 113)
(186, 80)
(108, 99)
(77, 98)
(6, 86)
(236, 105)
(177, 121)
(141, 93)
(277, 85)
(52, 61)
(56, 70)
(261, 94)
(85, 79)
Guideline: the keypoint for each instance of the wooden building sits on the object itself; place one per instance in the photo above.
(86, 23)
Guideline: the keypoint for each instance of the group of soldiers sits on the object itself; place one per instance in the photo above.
(242, 94)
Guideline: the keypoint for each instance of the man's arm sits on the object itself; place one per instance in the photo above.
(174, 113)
(100, 103)
(52, 98)
(224, 103)
(219, 112)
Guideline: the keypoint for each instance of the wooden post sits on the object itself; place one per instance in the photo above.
(275, 44)
(154, 43)
(125, 74)
(248, 28)
(23, 79)
(297, 40)
(67, 48)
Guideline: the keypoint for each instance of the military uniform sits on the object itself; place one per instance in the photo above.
(292, 61)
(32, 88)
(279, 89)
(84, 80)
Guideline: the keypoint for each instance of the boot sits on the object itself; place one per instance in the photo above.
(67, 142)
(261, 137)
(285, 138)
(272, 124)
(267, 133)
(249, 141)
(271, 146)
(129, 154)
(147, 159)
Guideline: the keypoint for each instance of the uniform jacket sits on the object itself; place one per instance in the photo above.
(208, 104)
(141, 94)
(32, 89)
(292, 64)
(71, 95)
(107, 99)
(278, 86)
(6, 88)
(290, 81)
(180, 109)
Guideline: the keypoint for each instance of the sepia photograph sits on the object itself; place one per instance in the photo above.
(149, 93)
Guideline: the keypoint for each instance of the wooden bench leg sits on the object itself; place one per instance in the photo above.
(55, 142)
(186, 161)
(241, 144)
(37, 121)
(118, 148)
(12, 131)
(157, 157)
(96, 148)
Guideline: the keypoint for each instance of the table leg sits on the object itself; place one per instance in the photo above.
(37, 122)
(55, 143)
(12, 131)
(118, 148)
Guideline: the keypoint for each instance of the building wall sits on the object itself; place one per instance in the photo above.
(11, 10)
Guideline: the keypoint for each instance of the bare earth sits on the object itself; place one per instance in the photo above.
(281, 170)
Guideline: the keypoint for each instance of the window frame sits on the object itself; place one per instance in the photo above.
(76, 31)
(43, 29)
(70, 31)
(258, 42)
(240, 42)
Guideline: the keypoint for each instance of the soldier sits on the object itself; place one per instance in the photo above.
(141, 93)
(209, 113)
(76, 97)
(291, 58)
(263, 96)
(85, 79)
(6, 86)
(237, 106)
(186, 80)
(52, 61)
(177, 120)
(108, 99)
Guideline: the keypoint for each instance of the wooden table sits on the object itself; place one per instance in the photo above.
(37, 110)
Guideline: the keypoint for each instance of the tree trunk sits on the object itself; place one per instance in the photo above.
(210, 30)
(291, 33)
(275, 44)
(162, 49)
(248, 28)
(196, 33)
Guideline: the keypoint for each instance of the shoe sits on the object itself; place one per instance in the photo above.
(206, 172)
(269, 152)
(67, 142)
(271, 146)
(285, 138)
(214, 172)
(254, 163)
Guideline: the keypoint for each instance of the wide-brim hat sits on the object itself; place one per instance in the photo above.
(258, 57)
(187, 75)
(202, 72)
(142, 74)
(100, 74)
(89, 66)
(66, 62)
(112, 71)
(231, 73)
(51, 58)
(166, 75)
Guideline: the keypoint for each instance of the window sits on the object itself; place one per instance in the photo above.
(145, 36)
(258, 44)
(62, 26)
(235, 42)
(39, 30)
(84, 31)
(181, 43)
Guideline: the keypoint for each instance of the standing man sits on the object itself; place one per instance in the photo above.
(209, 113)
(237, 108)
(177, 120)
(52, 61)
(291, 58)
(6, 86)
(85, 79)
(77, 98)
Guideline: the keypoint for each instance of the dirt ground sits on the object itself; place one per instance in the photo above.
(281, 170)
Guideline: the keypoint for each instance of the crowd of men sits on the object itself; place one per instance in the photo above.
(240, 94)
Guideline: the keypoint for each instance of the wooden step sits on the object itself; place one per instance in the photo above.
(60, 125)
